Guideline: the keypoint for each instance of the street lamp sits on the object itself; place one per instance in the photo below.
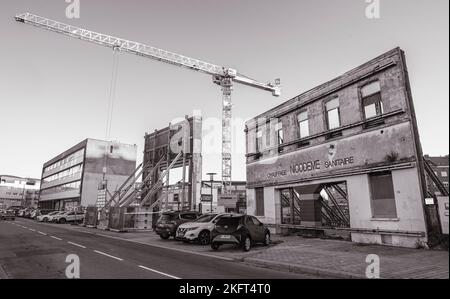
(211, 179)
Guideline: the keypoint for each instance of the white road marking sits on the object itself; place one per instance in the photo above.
(75, 244)
(42, 233)
(159, 272)
(111, 256)
(33, 230)
(56, 238)
(167, 247)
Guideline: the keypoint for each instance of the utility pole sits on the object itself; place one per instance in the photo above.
(211, 179)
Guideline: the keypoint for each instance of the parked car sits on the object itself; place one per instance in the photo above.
(8, 215)
(39, 212)
(242, 230)
(198, 230)
(16, 209)
(68, 217)
(50, 218)
(27, 213)
(167, 224)
(46, 217)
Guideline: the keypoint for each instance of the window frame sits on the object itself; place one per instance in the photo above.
(375, 214)
(361, 99)
(326, 111)
(299, 122)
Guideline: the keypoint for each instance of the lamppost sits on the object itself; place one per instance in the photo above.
(211, 179)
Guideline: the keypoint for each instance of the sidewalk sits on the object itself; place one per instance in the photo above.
(328, 258)
(348, 260)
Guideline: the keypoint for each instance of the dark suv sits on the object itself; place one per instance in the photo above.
(243, 230)
(167, 224)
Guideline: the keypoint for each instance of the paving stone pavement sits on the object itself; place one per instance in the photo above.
(330, 258)
(346, 259)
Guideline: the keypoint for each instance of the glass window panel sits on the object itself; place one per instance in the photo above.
(303, 116)
(332, 104)
(304, 129)
(280, 137)
(370, 89)
(370, 111)
(333, 119)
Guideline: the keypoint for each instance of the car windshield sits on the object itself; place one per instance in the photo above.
(206, 218)
(229, 221)
(167, 217)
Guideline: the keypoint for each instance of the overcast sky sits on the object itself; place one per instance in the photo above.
(54, 90)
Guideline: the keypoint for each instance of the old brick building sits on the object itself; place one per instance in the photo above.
(343, 156)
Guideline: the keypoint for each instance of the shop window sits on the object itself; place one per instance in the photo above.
(303, 124)
(444, 174)
(259, 201)
(333, 115)
(383, 195)
(371, 99)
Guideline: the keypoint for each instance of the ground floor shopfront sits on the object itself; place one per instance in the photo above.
(382, 206)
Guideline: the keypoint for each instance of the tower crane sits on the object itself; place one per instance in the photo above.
(222, 76)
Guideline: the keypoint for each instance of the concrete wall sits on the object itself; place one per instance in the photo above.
(408, 201)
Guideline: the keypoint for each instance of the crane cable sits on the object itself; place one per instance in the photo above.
(110, 106)
(112, 93)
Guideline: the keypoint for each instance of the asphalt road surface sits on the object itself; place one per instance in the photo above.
(33, 250)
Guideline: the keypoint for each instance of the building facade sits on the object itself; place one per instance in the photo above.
(344, 156)
(17, 191)
(440, 167)
(73, 178)
(232, 202)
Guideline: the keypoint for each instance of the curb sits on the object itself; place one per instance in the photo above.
(328, 273)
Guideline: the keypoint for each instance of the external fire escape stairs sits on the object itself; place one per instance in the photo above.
(158, 185)
(434, 178)
(135, 194)
(333, 214)
(123, 189)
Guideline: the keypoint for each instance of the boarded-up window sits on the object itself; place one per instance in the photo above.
(383, 195)
(259, 201)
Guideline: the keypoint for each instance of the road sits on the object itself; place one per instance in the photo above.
(29, 249)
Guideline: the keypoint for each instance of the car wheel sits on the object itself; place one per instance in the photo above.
(164, 236)
(215, 246)
(203, 238)
(62, 220)
(247, 244)
(45, 220)
(267, 239)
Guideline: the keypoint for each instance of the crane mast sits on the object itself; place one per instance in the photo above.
(222, 76)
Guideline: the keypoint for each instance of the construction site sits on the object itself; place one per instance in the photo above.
(302, 189)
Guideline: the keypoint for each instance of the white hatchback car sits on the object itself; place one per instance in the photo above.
(198, 230)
